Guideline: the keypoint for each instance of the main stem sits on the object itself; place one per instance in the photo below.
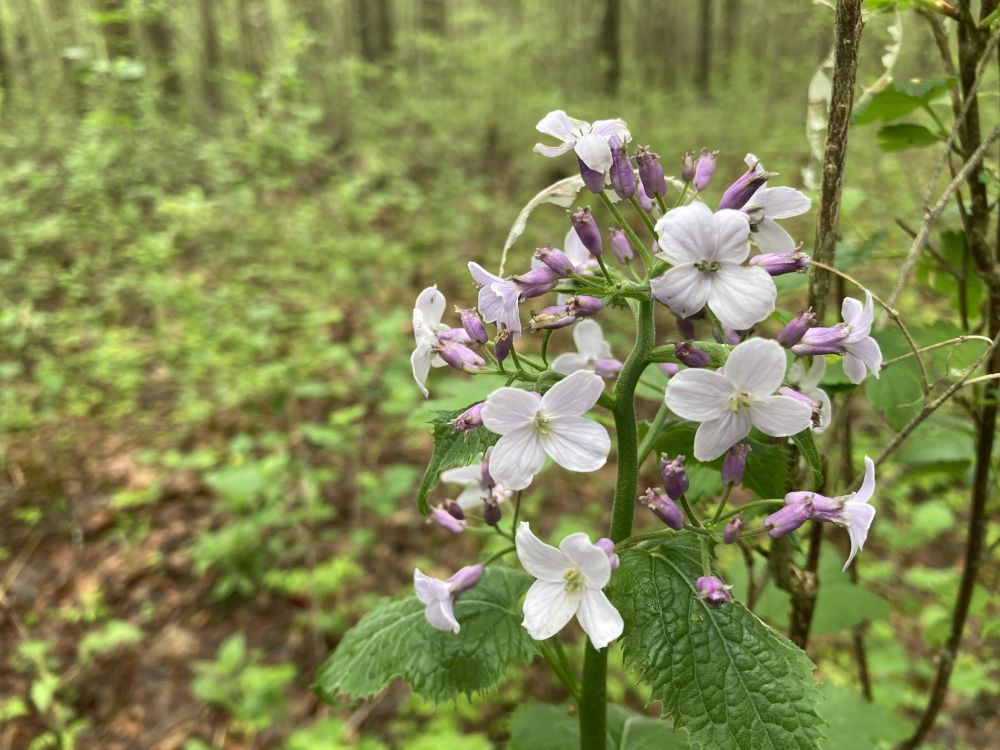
(593, 702)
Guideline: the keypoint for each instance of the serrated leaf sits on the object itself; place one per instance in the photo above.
(395, 640)
(724, 676)
(903, 136)
(540, 726)
(806, 444)
(451, 449)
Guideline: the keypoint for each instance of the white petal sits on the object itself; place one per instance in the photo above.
(859, 517)
(594, 151)
(481, 275)
(574, 249)
(441, 615)
(509, 409)
(608, 128)
(547, 608)
(599, 619)
(541, 148)
(686, 234)
(753, 163)
(782, 202)
(428, 309)
(577, 443)
(772, 238)
(471, 497)
(854, 369)
(420, 362)
(490, 305)
(825, 408)
(811, 378)
(559, 125)
(732, 230)
(573, 395)
(757, 366)
(868, 351)
(570, 362)
(741, 296)
(716, 436)
(429, 589)
(699, 395)
(780, 416)
(467, 475)
(590, 559)
(684, 289)
(864, 494)
(543, 561)
(516, 458)
(589, 339)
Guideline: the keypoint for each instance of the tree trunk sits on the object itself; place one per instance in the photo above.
(703, 69)
(254, 42)
(161, 40)
(731, 36)
(375, 26)
(610, 45)
(434, 17)
(115, 28)
(211, 56)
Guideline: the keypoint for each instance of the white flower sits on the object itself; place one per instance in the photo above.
(861, 348)
(731, 400)
(768, 204)
(427, 313)
(439, 596)
(589, 141)
(592, 351)
(858, 514)
(807, 383)
(570, 582)
(707, 252)
(476, 491)
(498, 299)
(533, 426)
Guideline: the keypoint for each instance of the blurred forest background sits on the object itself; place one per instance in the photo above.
(215, 216)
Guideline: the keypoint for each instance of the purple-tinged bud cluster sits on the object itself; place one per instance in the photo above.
(556, 260)
(587, 231)
(816, 406)
(727, 335)
(675, 478)
(704, 170)
(651, 173)
(473, 325)
(466, 578)
(622, 174)
(737, 194)
(796, 328)
(608, 548)
(713, 591)
(491, 512)
(536, 282)
(620, 245)
(645, 202)
(593, 179)
(663, 508)
(733, 530)
(817, 341)
(796, 511)
(777, 264)
(503, 342)
(735, 464)
(560, 316)
(691, 355)
(470, 419)
(459, 356)
(688, 166)
(445, 517)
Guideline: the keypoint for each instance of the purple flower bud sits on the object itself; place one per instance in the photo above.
(737, 194)
(713, 592)
(688, 166)
(622, 174)
(536, 282)
(470, 419)
(491, 512)
(789, 518)
(691, 355)
(620, 245)
(608, 367)
(503, 343)
(796, 328)
(551, 318)
(556, 260)
(726, 336)
(459, 356)
(822, 341)
(454, 510)
(608, 548)
(651, 172)
(733, 530)
(704, 170)
(735, 464)
(446, 520)
(802, 398)
(777, 264)
(465, 578)
(685, 327)
(669, 369)
(453, 334)
(473, 325)
(663, 508)
(485, 477)
(675, 478)
(593, 179)
(584, 306)
(587, 231)
(645, 202)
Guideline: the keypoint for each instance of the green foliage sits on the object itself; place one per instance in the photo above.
(900, 98)
(904, 136)
(540, 726)
(451, 448)
(108, 637)
(806, 444)
(722, 674)
(853, 722)
(395, 639)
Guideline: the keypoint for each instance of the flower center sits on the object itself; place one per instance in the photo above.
(542, 422)
(574, 580)
(707, 266)
(739, 400)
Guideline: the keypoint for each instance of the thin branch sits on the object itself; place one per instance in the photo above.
(930, 347)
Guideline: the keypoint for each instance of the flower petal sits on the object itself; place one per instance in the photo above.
(471, 497)
(699, 394)
(429, 589)
(592, 560)
(570, 362)
(771, 237)
(781, 202)
(684, 289)
(516, 458)
(859, 518)
(467, 475)
(608, 128)
(508, 409)
(868, 351)
(741, 296)
(732, 231)
(574, 249)
(589, 339)
(594, 151)
(573, 395)
(780, 416)
(550, 151)
(686, 234)
(757, 366)
(599, 619)
(428, 309)
(716, 436)
(825, 408)
(481, 275)
(810, 379)
(548, 607)
(441, 615)
(559, 125)
(543, 561)
(854, 369)
(490, 305)
(577, 443)
(864, 494)
(420, 362)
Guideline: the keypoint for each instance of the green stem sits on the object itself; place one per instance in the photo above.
(545, 347)
(706, 557)
(661, 204)
(643, 251)
(749, 506)
(654, 430)
(645, 217)
(557, 669)
(593, 698)
(689, 513)
(604, 269)
(497, 555)
(722, 503)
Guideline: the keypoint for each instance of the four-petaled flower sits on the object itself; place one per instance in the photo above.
(862, 349)
(498, 299)
(592, 352)
(769, 204)
(477, 484)
(590, 141)
(731, 400)
(807, 382)
(440, 596)
(427, 327)
(533, 426)
(570, 582)
(707, 252)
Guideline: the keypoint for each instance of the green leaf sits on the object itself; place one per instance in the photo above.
(899, 99)
(807, 447)
(842, 605)
(723, 675)
(395, 639)
(853, 722)
(766, 470)
(540, 726)
(897, 394)
(904, 136)
(451, 448)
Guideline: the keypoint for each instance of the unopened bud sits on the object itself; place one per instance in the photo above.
(675, 478)
(606, 546)
(645, 202)
(556, 260)
(473, 325)
(735, 464)
(593, 179)
(796, 328)
(620, 245)
(465, 578)
(608, 367)
(651, 172)
(794, 513)
(447, 521)
(733, 530)
(622, 174)
(713, 592)
(587, 231)
(822, 341)
(687, 166)
(584, 306)
(685, 327)
(491, 512)
(777, 264)
(536, 282)
(663, 508)
(551, 318)
(470, 419)
(669, 369)
(736, 195)
(704, 170)
(691, 355)
(503, 343)
(459, 356)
